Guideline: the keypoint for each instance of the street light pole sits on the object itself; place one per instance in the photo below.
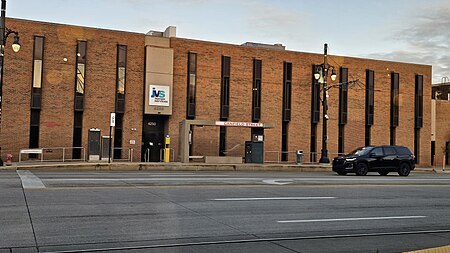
(324, 154)
(2, 48)
(322, 75)
(4, 33)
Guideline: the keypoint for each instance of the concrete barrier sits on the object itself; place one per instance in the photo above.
(223, 160)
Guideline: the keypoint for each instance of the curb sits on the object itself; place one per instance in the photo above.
(189, 167)
(168, 167)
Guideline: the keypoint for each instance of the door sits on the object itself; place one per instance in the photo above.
(391, 159)
(248, 152)
(94, 144)
(376, 158)
(258, 152)
(153, 137)
(105, 148)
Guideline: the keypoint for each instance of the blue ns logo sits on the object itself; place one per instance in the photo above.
(158, 94)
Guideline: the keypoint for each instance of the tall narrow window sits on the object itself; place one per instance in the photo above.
(80, 78)
(224, 103)
(222, 141)
(120, 98)
(418, 115)
(394, 105)
(315, 98)
(38, 57)
(370, 79)
(287, 90)
(121, 78)
(36, 91)
(418, 108)
(315, 114)
(191, 89)
(225, 89)
(286, 110)
(256, 90)
(284, 141)
(343, 99)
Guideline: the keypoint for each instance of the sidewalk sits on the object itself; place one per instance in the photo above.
(175, 166)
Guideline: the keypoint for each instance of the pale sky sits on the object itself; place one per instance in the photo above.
(416, 31)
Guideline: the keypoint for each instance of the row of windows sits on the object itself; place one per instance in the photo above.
(315, 101)
(79, 87)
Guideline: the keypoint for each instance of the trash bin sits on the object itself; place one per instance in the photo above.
(299, 157)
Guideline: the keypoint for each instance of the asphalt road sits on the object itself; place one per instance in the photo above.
(221, 212)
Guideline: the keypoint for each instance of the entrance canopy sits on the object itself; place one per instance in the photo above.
(185, 127)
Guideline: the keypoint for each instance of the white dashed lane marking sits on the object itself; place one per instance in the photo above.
(353, 219)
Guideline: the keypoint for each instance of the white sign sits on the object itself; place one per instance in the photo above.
(238, 124)
(113, 119)
(132, 142)
(159, 95)
(31, 151)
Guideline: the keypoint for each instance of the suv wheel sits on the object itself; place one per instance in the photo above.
(404, 169)
(361, 169)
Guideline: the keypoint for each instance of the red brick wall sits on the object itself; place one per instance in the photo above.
(208, 98)
(442, 129)
(59, 78)
(56, 123)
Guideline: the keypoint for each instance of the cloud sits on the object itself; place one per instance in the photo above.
(427, 40)
(271, 20)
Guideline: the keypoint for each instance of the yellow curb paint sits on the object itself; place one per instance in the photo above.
(443, 249)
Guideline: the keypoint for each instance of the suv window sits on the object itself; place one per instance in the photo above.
(377, 152)
(361, 151)
(389, 151)
(403, 151)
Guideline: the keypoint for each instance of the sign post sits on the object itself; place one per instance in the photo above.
(112, 123)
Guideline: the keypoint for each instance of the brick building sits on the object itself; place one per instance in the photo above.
(440, 124)
(60, 88)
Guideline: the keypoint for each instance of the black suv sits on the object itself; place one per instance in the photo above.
(383, 159)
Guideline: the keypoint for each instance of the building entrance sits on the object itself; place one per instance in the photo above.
(152, 137)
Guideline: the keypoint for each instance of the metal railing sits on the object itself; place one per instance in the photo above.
(162, 154)
(125, 152)
(54, 154)
(277, 156)
(291, 156)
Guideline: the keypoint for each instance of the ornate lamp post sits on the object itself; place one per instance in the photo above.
(4, 33)
(321, 75)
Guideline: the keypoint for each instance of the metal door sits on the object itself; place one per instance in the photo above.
(391, 159)
(105, 148)
(376, 158)
(258, 152)
(94, 144)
